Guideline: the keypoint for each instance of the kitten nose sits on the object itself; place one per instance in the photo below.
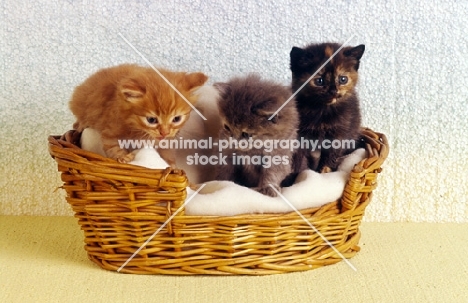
(164, 132)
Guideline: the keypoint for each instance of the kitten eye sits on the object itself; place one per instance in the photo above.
(227, 128)
(318, 81)
(176, 119)
(343, 80)
(245, 135)
(152, 120)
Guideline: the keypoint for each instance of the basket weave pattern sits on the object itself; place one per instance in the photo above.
(120, 206)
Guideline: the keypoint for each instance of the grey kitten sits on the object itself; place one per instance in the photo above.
(245, 105)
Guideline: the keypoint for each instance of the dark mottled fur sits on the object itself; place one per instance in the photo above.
(327, 109)
(245, 105)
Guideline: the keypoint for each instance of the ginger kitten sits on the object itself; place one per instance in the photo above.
(328, 105)
(131, 102)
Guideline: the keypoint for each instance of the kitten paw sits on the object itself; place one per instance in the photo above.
(177, 171)
(127, 158)
(268, 191)
(194, 187)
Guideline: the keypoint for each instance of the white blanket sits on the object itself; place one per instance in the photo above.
(311, 189)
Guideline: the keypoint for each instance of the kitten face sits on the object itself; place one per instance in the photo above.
(155, 110)
(158, 111)
(247, 103)
(334, 82)
(133, 102)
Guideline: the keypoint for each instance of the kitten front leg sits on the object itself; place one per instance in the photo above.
(313, 159)
(121, 155)
(113, 150)
(226, 172)
(272, 176)
(268, 191)
(329, 160)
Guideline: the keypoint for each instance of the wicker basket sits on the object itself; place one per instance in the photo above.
(120, 206)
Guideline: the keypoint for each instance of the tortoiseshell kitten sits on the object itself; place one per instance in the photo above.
(328, 105)
(245, 106)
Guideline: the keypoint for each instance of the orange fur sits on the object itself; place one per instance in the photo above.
(134, 102)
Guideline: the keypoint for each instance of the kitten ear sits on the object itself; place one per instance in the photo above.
(194, 80)
(296, 58)
(132, 90)
(355, 52)
(296, 53)
(223, 88)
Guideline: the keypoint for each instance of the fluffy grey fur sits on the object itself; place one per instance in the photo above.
(245, 104)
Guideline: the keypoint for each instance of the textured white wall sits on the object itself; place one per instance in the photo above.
(413, 81)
